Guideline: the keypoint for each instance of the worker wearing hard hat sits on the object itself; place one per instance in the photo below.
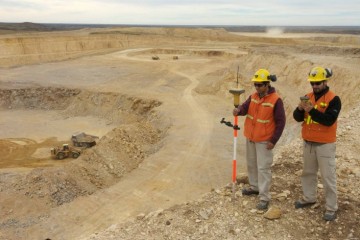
(318, 114)
(264, 124)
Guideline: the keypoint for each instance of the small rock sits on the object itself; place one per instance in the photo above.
(342, 189)
(287, 192)
(281, 196)
(356, 171)
(273, 213)
(242, 179)
(316, 205)
(204, 214)
(281, 199)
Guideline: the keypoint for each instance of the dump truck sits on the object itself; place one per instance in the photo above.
(64, 152)
(81, 139)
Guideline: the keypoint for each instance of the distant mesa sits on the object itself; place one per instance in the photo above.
(25, 26)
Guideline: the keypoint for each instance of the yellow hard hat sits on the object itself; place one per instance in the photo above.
(261, 75)
(318, 74)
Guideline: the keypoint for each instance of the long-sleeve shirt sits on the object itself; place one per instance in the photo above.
(327, 118)
(279, 116)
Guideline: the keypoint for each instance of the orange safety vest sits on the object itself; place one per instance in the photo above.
(313, 131)
(259, 124)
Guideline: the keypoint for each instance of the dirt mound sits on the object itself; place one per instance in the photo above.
(338, 39)
(327, 50)
(76, 102)
(116, 154)
(37, 98)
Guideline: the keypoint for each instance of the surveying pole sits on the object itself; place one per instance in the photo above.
(236, 93)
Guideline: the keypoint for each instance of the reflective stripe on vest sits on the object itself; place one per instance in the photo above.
(258, 120)
(267, 105)
(249, 116)
(262, 121)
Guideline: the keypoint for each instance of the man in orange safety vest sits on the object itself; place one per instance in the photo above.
(264, 124)
(318, 111)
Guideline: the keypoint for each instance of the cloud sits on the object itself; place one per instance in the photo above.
(195, 12)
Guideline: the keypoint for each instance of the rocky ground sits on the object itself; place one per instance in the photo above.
(217, 215)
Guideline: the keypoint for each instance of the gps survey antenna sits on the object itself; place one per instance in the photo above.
(236, 93)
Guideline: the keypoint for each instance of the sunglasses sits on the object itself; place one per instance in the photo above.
(259, 84)
(316, 83)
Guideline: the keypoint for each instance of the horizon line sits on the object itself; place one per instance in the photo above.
(191, 25)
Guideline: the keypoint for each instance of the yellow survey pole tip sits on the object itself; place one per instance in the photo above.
(236, 93)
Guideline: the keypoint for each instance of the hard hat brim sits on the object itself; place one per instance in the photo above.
(317, 80)
(257, 80)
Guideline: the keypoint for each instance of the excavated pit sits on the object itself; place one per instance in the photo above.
(36, 119)
(171, 54)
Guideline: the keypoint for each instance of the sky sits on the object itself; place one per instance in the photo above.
(185, 12)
